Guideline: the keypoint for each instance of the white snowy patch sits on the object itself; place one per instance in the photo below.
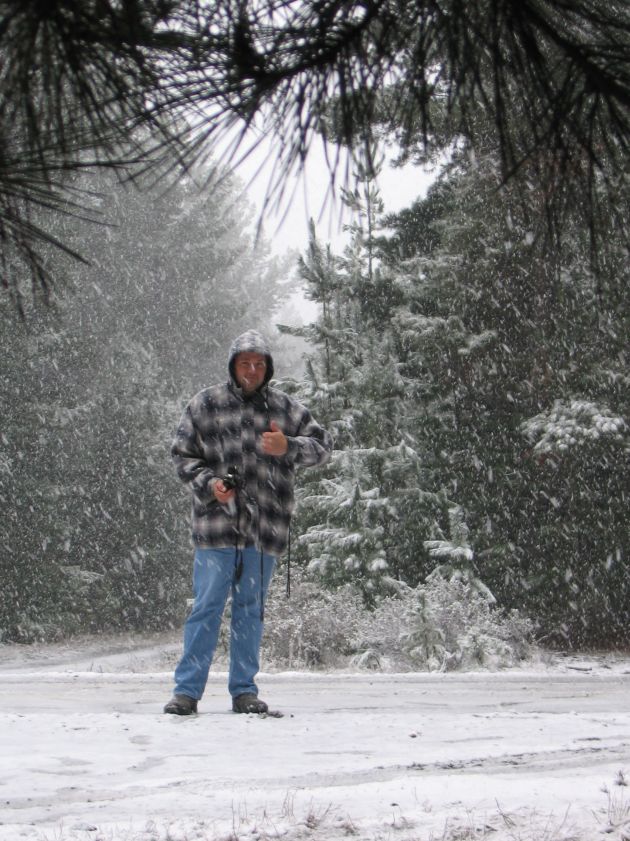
(540, 753)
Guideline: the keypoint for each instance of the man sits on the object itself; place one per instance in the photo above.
(237, 447)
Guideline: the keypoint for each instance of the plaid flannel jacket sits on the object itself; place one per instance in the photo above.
(220, 429)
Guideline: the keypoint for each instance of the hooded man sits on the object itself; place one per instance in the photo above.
(236, 447)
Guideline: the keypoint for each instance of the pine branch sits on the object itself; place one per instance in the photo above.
(153, 79)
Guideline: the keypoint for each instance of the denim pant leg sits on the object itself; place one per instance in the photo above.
(213, 572)
(247, 625)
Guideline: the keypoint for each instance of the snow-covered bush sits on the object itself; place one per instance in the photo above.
(574, 424)
(445, 623)
(314, 627)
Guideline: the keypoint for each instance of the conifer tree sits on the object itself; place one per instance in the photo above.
(505, 335)
(364, 519)
(487, 379)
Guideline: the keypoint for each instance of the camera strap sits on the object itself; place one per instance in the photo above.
(238, 553)
(238, 562)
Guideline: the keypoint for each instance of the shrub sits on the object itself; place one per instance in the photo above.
(314, 627)
(445, 623)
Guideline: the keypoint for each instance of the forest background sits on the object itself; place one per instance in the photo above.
(469, 357)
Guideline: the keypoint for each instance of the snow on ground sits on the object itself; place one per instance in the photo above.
(540, 753)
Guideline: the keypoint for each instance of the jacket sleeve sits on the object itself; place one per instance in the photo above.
(191, 464)
(312, 445)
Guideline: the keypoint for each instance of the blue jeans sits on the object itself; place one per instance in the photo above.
(214, 574)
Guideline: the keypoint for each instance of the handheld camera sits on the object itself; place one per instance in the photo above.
(232, 479)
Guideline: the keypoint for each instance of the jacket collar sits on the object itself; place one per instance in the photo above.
(258, 398)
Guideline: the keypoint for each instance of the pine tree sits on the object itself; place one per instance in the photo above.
(364, 519)
(501, 325)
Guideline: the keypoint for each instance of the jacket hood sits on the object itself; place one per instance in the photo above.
(250, 342)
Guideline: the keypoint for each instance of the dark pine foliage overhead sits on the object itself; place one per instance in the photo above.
(80, 78)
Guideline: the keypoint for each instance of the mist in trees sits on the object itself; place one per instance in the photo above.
(94, 532)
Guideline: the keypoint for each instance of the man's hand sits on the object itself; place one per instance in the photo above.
(223, 494)
(274, 443)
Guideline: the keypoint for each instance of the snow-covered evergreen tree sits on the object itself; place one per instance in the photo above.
(364, 518)
(441, 372)
(499, 324)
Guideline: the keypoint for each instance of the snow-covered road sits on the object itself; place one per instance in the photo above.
(540, 753)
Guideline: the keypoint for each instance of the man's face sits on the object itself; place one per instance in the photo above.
(250, 370)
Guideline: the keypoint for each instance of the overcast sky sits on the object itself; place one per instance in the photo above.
(308, 194)
(311, 197)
